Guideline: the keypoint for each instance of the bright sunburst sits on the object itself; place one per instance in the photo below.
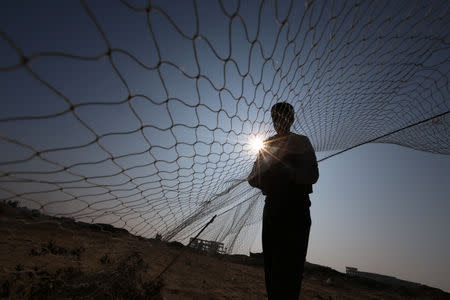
(256, 143)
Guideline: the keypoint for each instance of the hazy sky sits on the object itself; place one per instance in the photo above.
(384, 209)
(143, 119)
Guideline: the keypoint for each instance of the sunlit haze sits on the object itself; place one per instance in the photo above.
(256, 143)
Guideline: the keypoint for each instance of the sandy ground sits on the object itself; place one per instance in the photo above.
(43, 257)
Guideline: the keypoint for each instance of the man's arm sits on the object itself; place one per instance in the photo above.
(258, 177)
(306, 170)
(253, 176)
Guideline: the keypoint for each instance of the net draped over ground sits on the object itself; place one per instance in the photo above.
(140, 114)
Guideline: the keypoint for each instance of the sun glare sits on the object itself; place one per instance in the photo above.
(256, 143)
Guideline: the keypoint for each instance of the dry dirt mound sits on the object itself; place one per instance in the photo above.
(43, 257)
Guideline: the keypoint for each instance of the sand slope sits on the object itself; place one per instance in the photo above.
(42, 257)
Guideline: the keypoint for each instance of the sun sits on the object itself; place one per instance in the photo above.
(256, 143)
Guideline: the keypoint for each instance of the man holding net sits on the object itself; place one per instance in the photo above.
(285, 169)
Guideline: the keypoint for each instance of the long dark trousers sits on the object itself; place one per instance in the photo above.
(285, 235)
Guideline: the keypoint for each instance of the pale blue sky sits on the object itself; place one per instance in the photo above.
(384, 209)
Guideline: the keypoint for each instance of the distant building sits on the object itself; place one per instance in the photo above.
(206, 246)
(351, 271)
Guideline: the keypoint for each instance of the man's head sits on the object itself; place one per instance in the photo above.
(283, 117)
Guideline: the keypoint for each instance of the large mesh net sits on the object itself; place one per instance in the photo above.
(140, 114)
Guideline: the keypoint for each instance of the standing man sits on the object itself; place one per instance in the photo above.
(285, 170)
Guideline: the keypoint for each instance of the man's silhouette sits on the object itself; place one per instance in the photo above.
(285, 170)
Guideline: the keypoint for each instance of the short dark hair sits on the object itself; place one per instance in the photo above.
(283, 109)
